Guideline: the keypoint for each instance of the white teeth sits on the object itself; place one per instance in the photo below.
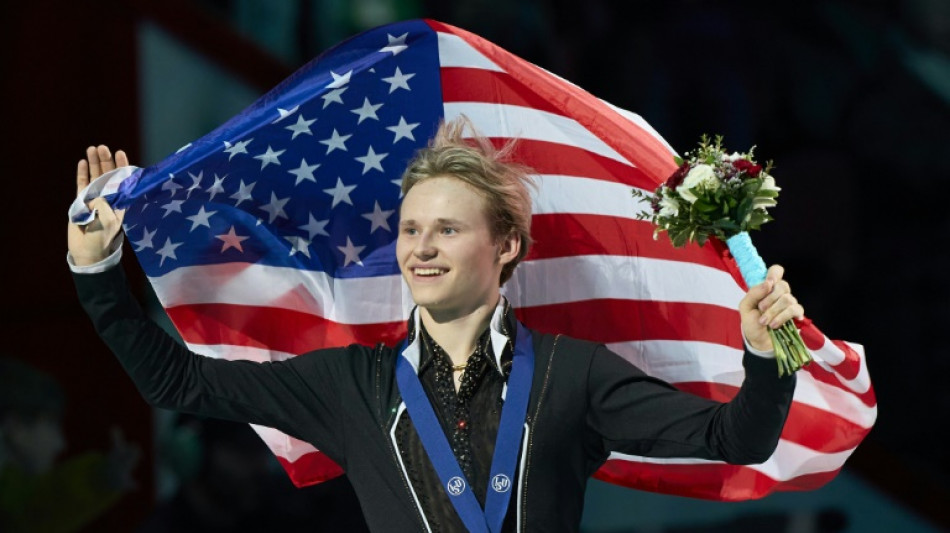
(429, 271)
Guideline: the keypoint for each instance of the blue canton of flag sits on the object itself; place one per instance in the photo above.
(307, 177)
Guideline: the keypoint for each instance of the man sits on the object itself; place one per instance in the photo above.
(429, 433)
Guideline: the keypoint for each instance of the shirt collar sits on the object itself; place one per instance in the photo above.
(498, 336)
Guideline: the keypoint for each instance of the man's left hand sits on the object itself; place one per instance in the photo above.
(768, 306)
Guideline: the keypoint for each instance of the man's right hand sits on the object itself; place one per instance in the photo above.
(92, 243)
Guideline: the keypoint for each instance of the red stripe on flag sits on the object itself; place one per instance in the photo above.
(633, 143)
(565, 235)
(266, 327)
(462, 84)
(310, 469)
(820, 374)
(545, 157)
(808, 426)
(813, 338)
(609, 320)
(849, 368)
(709, 481)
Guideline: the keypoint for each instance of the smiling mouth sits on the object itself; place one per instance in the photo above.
(429, 272)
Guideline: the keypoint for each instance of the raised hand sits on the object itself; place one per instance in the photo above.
(768, 305)
(92, 243)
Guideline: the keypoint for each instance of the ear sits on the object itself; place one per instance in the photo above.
(509, 248)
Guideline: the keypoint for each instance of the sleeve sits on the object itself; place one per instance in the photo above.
(298, 397)
(637, 414)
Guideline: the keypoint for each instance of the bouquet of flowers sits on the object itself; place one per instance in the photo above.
(715, 194)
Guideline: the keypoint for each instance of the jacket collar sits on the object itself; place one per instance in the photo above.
(499, 335)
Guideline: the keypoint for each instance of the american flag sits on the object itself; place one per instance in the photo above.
(274, 235)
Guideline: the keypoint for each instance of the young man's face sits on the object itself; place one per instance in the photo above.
(446, 250)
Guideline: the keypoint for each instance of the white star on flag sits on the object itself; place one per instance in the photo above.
(299, 244)
(243, 193)
(371, 160)
(200, 218)
(170, 185)
(403, 130)
(173, 206)
(145, 241)
(336, 141)
(351, 254)
(304, 172)
(167, 251)
(231, 240)
(336, 95)
(284, 113)
(301, 127)
(398, 81)
(195, 183)
(236, 148)
(340, 193)
(367, 111)
(268, 157)
(275, 208)
(339, 80)
(396, 44)
(216, 187)
(379, 218)
(315, 227)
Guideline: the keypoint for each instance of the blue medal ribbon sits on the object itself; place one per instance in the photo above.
(507, 443)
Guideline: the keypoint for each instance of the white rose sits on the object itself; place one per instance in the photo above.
(669, 207)
(733, 157)
(768, 184)
(702, 176)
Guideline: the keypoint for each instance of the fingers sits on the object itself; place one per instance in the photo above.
(95, 169)
(755, 295)
(105, 158)
(121, 159)
(775, 273)
(100, 160)
(779, 305)
(82, 175)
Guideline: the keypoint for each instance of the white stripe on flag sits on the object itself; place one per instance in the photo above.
(795, 461)
(692, 361)
(455, 52)
(613, 277)
(282, 444)
(568, 194)
(510, 121)
(620, 277)
(342, 300)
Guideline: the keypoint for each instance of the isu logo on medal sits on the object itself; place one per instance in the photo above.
(500, 483)
(455, 486)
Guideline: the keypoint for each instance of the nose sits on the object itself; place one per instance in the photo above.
(425, 248)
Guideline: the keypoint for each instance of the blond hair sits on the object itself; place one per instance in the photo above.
(474, 160)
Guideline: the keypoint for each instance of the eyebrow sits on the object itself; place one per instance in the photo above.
(440, 221)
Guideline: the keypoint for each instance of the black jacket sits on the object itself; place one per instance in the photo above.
(585, 402)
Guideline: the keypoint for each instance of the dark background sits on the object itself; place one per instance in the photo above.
(850, 99)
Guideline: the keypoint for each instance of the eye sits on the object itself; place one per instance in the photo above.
(449, 231)
(410, 231)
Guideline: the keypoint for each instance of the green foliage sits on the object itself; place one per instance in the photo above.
(738, 201)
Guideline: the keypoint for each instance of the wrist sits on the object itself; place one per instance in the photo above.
(82, 260)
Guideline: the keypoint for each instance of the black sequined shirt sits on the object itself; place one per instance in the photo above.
(469, 417)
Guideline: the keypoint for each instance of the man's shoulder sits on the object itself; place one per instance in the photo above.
(547, 344)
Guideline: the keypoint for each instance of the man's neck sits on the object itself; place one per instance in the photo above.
(457, 334)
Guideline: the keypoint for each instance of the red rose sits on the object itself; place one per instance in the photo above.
(677, 178)
(750, 168)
